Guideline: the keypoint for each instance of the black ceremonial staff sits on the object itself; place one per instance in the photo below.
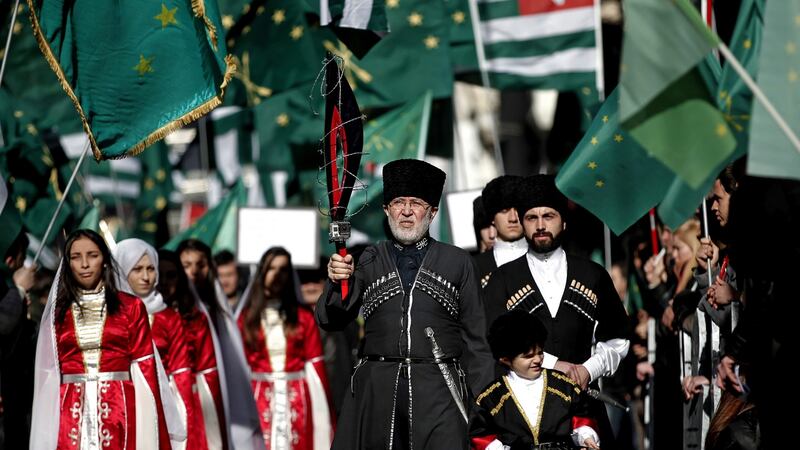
(344, 135)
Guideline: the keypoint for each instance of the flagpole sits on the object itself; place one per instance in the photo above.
(61, 203)
(600, 76)
(479, 50)
(708, 236)
(737, 66)
(5, 56)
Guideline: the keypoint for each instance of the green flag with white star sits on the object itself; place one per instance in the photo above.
(664, 103)
(134, 71)
(771, 154)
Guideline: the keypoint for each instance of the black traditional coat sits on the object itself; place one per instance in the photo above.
(499, 414)
(444, 295)
(590, 307)
(486, 265)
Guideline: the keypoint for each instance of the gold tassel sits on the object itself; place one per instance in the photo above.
(199, 8)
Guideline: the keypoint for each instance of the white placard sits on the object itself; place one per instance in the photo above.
(295, 229)
(459, 213)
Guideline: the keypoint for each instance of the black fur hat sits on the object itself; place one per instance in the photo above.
(499, 194)
(412, 178)
(480, 219)
(514, 333)
(539, 190)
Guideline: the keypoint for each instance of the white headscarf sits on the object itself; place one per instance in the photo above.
(127, 254)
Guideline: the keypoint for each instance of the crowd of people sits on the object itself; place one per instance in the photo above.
(524, 344)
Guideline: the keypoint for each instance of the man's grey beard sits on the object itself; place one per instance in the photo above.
(413, 235)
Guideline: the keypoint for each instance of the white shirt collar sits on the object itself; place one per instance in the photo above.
(524, 382)
(504, 251)
(555, 257)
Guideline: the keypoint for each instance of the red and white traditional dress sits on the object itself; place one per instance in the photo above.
(170, 339)
(289, 382)
(109, 394)
(207, 429)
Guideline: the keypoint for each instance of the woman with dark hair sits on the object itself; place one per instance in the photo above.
(206, 424)
(284, 351)
(96, 376)
(241, 415)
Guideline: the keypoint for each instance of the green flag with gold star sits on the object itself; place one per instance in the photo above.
(135, 71)
(664, 103)
(771, 154)
(217, 227)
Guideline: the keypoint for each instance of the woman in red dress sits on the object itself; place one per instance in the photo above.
(138, 275)
(96, 380)
(206, 422)
(284, 351)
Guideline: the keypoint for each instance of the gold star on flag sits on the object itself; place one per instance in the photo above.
(161, 175)
(797, 20)
(458, 17)
(790, 48)
(18, 114)
(278, 16)
(32, 129)
(618, 138)
(167, 16)
(721, 129)
(592, 165)
(161, 202)
(144, 65)
(415, 19)
(431, 42)
(392, 4)
(297, 32)
(747, 43)
(792, 75)
(282, 120)
(149, 184)
(21, 204)
(605, 119)
(18, 28)
(723, 94)
(260, 10)
(227, 21)
(245, 8)
(146, 214)
(594, 140)
(150, 227)
(246, 29)
(599, 183)
(586, 90)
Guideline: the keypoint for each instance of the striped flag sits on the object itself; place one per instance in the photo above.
(358, 14)
(543, 44)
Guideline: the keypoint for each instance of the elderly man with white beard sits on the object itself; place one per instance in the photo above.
(406, 288)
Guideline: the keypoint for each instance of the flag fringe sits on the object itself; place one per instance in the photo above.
(160, 133)
(56, 67)
(199, 8)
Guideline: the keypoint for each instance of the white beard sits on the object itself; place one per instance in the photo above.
(408, 236)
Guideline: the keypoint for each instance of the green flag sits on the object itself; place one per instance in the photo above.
(412, 59)
(734, 99)
(356, 14)
(771, 154)
(135, 71)
(610, 174)
(664, 103)
(217, 227)
(30, 81)
(155, 189)
(91, 220)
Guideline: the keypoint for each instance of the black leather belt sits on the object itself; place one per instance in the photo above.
(556, 445)
(401, 359)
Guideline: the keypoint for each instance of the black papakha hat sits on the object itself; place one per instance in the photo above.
(412, 178)
(480, 219)
(514, 333)
(499, 194)
(539, 190)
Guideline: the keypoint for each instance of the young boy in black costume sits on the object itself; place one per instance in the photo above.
(529, 407)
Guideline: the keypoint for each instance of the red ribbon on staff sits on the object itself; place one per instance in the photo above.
(344, 134)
